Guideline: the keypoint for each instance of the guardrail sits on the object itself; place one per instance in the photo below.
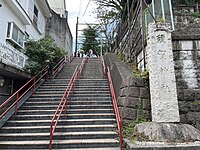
(58, 67)
(19, 94)
(84, 61)
(114, 102)
(104, 67)
(115, 107)
(62, 105)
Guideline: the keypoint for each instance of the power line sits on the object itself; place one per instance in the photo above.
(79, 8)
(86, 8)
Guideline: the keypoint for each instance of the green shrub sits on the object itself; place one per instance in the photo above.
(39, 52)
(138, 73)
(121, 56)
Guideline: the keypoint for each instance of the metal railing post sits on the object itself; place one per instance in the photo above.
(33, 86)
(51, 137)
(16, 107)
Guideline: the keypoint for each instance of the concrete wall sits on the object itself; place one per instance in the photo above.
(186, 51)
(58, 28)
(187, 60)
(132, 93)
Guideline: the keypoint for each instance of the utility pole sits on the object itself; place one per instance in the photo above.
(101, 45)
(76, 35)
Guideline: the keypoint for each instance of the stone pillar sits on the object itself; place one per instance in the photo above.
(160, 64)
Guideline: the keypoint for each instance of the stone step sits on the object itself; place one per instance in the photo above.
(55, 83)
(91, 95)
(78, 89)
(83, 88)
(93, 80)
(70, 99)
(91, 102)
(89, 98)
(53, 87)
(57, 135)
(43, 122)
(69, 111)
(44, 144)
(54, 107)
(44, 99)
(92, 83)
(76, 86)
(88, 106)
(50, 89)
(57, 80)
(59, 128)
(47, 95)
(56, 92)
(66, 116)
(40, 103)
(89, 122)
(74, 92)
(70, 102)
(45, 107)
(107, 148)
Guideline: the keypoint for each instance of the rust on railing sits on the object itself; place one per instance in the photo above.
(63, 102)
(28, 86)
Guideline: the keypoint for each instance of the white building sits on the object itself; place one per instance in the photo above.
(58, 6)
(19, 20)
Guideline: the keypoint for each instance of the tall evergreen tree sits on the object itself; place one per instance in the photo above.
(90, 39)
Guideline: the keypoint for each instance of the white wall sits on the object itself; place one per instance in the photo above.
(24, 3)
(7, 15)
(30, 29)
(58, 6)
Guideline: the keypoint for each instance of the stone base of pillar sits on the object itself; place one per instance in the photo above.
(164, 136)
(139, 145)
(166, 132)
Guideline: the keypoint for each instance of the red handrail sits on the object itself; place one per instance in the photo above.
(115, 108)
(58, 67)
(70, 58)
(106, 72)
(35, 80)
(104, 67)
(64, 100)
(84, 61)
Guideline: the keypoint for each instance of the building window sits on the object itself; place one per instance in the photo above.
(35, 16)
(15, 35)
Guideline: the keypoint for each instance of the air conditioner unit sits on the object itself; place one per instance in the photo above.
(15, 35)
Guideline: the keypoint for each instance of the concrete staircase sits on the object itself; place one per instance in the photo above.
(88, 124)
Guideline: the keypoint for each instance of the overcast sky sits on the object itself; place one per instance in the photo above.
(77, 8)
